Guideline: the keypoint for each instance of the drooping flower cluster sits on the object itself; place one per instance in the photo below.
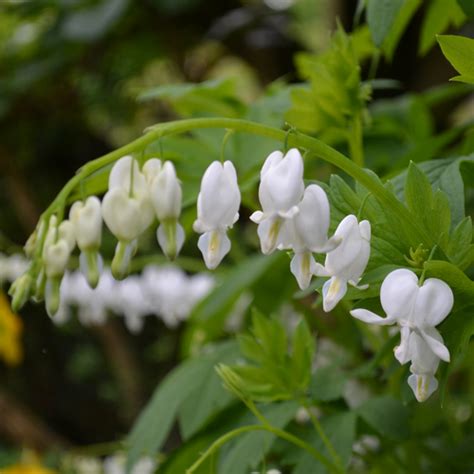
(417, 310)
(166, 292)
(298, 219)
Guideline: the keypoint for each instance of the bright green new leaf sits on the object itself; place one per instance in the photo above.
(459, 51)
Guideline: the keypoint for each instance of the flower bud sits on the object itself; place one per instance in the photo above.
(217, 210)
(86, 220)
(165, 192)
(20, 291)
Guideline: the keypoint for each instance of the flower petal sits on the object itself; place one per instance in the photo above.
(214, 246)
(303, 267)
(404, 351)
(398, 293)
(434, 302)
(333, 291)
(423, 386)
(368, 317)
(434, 340)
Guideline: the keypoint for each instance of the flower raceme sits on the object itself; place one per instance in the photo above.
(217, 210)
(417, 309)
(280, 191)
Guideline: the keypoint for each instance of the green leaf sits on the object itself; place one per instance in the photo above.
(327, 384)
(208, 318)
(459, 51)
(447, 175)
(208, 398)
(440, 14)
(214, 97)
(381, 15)
(405, 14)
(155, 421)
(303, 348)
(248, 450)
(386, 415)
(418, 193)
(460, 248)
(340, 429)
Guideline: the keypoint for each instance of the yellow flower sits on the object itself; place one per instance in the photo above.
(10, 332)
(26, 469)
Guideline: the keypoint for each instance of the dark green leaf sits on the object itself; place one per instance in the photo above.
(327, 384)
(247, 451)
(155, 421)
(381, 15)
(386, 415)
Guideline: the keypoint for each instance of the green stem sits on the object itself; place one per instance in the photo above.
(216, 445)
(356, 147)
(415, 232)
(326, 441)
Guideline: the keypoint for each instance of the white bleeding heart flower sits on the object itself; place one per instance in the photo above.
(414, 308)
(217, 210)
(166, 196)
(86, 219)
(127, 210)
(346, 263)
(280, 191)
(417, 310)
(150, 170)
(307, 232)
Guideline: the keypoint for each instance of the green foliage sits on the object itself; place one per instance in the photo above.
(387, 416)
(381, 16)
(431, 209)
(335, 95)
(274, 371)
(214, 97)
(467, 6)
(251, 448)
(459, 51)
(341, 431)
(440, 14)
(155, 422)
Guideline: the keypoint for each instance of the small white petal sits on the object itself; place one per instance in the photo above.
(163, 239)
(404, 351)
(269, 231)
(214, 246)
(423, 386)
(303, 267)
(368, 317)
(434, 340)
(333, 292)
